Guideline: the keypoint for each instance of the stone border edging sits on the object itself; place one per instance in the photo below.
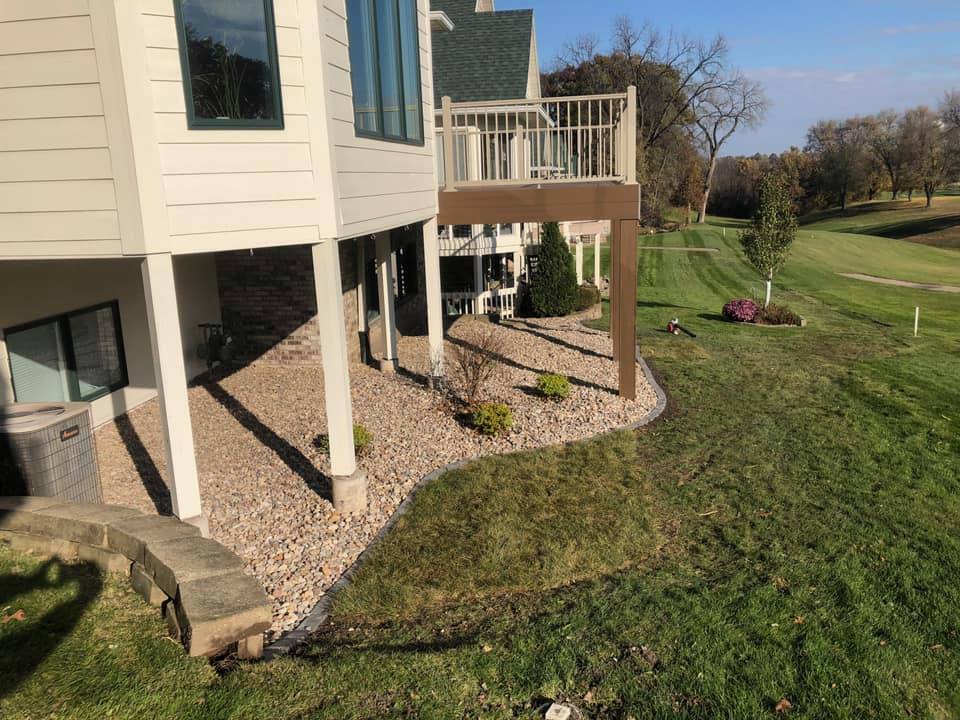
(207, 600)
(289, 641)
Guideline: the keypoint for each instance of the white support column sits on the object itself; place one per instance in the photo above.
(388, 311)
(431, 262)
(163, 319)
(517, 266)
(349, 486)
(579, 256)
(478, 283)
(596, 259)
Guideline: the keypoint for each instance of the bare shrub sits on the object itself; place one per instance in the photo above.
(476, 359)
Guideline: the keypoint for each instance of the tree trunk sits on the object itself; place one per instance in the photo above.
(766, 302)
(711, 167)
(910, 195)
(843, 200)
(929, 190)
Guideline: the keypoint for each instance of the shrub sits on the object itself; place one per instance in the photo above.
(740, 310)
(588, 297)
(492, 419)
(553, 387)
(553, 288)
(776, 315)
(362, 441)
(476, 359)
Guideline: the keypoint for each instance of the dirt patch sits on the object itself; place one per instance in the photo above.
(902, 283)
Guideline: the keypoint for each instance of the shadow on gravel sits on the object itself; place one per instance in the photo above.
(146, 468)
(291, 456)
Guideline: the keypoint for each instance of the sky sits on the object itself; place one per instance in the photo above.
(816, 59)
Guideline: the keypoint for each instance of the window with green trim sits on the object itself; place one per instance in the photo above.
(228, 54)
(384, 40)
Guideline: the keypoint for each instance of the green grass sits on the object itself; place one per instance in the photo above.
(902, 220)
(790, 530)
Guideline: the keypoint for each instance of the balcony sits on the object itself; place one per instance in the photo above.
(550, 141)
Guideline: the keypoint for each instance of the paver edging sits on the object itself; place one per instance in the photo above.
(291, 640)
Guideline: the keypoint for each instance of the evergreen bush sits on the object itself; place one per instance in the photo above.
(553, 289)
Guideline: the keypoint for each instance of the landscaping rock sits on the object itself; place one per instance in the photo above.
(44, 547)
(80, 523)
(266, 487)
(143, 583)
(106, 560)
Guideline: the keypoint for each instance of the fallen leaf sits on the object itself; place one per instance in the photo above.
(19, 616)
(780, 583)
(650, 656)
(799, 620)
(783, 706)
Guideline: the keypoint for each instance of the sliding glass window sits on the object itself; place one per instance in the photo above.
(228, 51)
(385, 69)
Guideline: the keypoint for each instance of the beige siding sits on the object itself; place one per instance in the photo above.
(227, 189)
(57, 195)
(380, 184)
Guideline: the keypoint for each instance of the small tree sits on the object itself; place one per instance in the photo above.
(767, 241)
(553, 288)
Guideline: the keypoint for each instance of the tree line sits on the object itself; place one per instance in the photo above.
(856, 158)
(690, 101)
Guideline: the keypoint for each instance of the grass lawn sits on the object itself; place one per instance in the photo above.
(791, 530)
(903, 220)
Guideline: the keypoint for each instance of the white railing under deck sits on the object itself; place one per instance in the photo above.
(502, 301)
(544, 141)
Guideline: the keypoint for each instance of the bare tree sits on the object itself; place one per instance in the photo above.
(950, 110)
(925, 137)
(884, 133)
(840, 149)
(717, 114)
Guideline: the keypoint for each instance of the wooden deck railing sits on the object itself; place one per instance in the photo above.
(502, 301)
(549, 140)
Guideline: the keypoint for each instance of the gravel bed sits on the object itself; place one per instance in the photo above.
(264, 484)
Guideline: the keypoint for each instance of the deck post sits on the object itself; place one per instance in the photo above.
(349, 486)
(478, 283)
(449, 164)
(431, 261)
(163, 320)
(596, 259)
(627, 314)
(614, 284)
(388, 312)
(631, 148)
(579, 260)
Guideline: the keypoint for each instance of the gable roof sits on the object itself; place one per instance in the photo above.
(485, 57)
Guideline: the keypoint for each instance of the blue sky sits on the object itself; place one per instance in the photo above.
(817, 59)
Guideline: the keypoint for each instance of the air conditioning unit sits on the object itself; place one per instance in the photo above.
(47, 450)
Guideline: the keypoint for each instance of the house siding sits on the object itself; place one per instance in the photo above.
(380, 184)
(57, 194)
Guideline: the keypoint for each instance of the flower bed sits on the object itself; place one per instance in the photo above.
(746, 311)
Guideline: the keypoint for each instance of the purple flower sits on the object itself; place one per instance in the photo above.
(740, 310)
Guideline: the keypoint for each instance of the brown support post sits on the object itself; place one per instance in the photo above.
(614, 280)
(627, 314)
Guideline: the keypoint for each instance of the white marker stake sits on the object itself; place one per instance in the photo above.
(916, 323)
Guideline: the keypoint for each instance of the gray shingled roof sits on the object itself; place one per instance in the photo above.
(485, 57)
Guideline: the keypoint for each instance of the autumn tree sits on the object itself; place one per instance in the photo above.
(733, 103)
(926, 143)
(768, 240)
(884, 136)
(840, 150)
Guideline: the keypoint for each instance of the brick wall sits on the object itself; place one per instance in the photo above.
(268, 301)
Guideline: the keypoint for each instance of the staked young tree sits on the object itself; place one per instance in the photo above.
(767, 242)
(717, 114)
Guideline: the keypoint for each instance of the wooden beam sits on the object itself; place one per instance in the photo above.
(614, 281)
(627, 313)
(538, 203)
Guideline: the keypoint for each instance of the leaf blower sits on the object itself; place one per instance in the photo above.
(675, 328)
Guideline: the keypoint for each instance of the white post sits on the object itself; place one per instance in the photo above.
(388, 313)
(517, 266)
(478, 282)
(579, 256)
(769, 291)
(349, 486)
(431, 261)
(163, 319)
(596, 259)
(916, 322)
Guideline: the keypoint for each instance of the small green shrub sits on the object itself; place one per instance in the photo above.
(776, 315)
(587, 298)
(553, 387)
(362, 441)
(492, 419)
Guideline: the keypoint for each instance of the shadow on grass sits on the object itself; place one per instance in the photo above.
(26, 644)
(292, 457)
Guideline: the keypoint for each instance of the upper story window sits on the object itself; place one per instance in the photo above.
(385, 69)
(228, 52)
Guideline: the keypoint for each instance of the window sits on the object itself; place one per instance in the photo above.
(72, 357)
(385, 69)
(228, 54)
